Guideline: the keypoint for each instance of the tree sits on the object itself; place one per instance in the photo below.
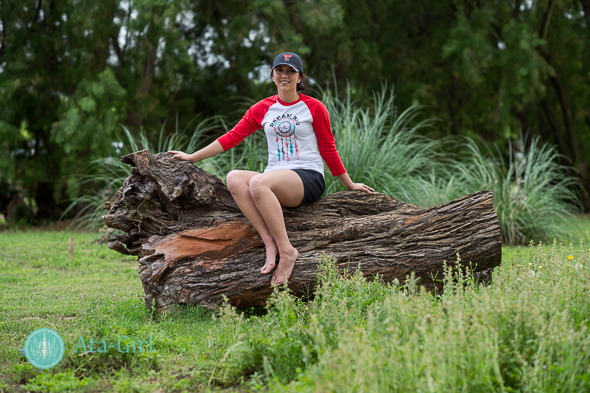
(72, 71)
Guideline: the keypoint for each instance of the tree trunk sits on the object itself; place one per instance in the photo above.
(194, 246)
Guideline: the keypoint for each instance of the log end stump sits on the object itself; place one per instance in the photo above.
(195, 247)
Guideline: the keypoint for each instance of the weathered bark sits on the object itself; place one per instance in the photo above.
(194, 245)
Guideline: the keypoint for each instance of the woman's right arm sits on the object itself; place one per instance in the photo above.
(212, 149)
(250, 123)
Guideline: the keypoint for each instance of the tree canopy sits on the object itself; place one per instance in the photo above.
(71, 71)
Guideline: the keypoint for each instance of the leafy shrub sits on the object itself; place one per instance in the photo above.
(293, 335)
(517, 334)
(59, 382)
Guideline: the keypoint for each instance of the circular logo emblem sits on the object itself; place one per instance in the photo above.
(285, 128)
(44, 348)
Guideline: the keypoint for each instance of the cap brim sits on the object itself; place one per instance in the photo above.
(290, 65)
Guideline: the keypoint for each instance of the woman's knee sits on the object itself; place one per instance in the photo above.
(235, 181)
(257, 184)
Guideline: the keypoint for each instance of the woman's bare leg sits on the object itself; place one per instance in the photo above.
(269, 192)
(238, 184)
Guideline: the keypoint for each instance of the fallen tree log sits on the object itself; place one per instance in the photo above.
(194, 246)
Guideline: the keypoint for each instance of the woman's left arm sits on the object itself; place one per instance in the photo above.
(327, 146)
(348, 183)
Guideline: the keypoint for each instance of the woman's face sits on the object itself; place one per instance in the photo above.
(285, 77)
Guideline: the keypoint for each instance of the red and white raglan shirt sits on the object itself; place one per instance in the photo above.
(294, 132)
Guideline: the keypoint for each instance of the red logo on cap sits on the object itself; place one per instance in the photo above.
(287, 57)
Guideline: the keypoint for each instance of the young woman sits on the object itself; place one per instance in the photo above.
(296, 126)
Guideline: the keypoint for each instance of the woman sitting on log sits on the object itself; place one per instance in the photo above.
(296, 126)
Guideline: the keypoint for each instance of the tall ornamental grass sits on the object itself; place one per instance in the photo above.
(389, 150)
(379, 146)
(533, 197)
(107, 174)
(518, 334)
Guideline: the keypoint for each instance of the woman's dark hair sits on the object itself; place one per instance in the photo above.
(301, 85)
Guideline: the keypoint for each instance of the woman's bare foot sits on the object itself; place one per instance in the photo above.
(271, 257)
(285, 267)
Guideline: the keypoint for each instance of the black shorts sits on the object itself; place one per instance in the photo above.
(313, 185)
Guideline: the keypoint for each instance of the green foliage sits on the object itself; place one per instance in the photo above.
(90, 120)
(379, 146)
(60, 382)
(106, 175)
(514, 335)
(488, 44)
(71, 72)
(296, 332)
(21, 373)
(517, 334)
(533, 197)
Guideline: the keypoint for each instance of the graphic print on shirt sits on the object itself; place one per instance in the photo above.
(284, 128)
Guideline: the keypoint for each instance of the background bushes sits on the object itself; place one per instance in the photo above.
(390, 150)
(71, 72)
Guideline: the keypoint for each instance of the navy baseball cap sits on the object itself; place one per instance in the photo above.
(290, 59)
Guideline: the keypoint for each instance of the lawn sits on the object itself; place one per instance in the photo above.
(528, 330)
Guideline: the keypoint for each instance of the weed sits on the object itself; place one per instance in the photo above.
(526, 331)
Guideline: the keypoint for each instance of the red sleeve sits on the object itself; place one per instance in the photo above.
(326, 143)
(249, 123)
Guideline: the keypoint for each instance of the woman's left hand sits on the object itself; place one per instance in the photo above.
(360, 187)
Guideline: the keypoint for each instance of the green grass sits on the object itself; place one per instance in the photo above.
(527, 331)
(96, 295)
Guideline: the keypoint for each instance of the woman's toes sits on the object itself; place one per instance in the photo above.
(271, 256)
(267, 268)
(285, 268)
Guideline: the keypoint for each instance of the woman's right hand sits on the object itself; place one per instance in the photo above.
(180, 155)
(206, 152)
